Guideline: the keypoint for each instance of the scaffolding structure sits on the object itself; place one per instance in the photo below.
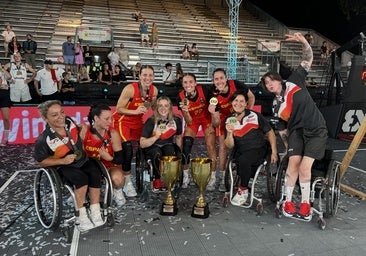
(233, 38)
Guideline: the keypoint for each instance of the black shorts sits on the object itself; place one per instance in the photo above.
(311, 143)
(5, 101)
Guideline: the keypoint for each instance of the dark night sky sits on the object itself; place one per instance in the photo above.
(323, 16)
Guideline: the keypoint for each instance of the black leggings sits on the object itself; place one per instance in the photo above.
(88, 174)
(154, 153)
(247, 163)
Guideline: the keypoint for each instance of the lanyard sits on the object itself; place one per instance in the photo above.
(69, 143)
(104, 140)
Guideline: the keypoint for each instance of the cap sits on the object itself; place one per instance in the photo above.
(48, 62)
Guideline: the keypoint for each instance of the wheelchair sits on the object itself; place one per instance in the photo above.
(49, 191)
(325, 188)
(232, 180)
(145, 174)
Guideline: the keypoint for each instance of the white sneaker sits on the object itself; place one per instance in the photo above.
(95, 215)
(240, 198)
(212, 182)
(129, 190)
(83, 222)
(118, 197)
(222, 187)
(185, 178)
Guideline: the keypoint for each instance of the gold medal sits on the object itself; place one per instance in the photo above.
(147, 104)
(232, 120)
(19, 73)
(162, 127)
(214, 101)
(78, 154)
(185, 102)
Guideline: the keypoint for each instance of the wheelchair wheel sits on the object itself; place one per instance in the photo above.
(231, 166)
(107, 182)
(271, 172)
(139, 171)
(48, 198)
(280, 178)
(332, 191)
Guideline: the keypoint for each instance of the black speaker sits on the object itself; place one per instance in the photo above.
(333, 115)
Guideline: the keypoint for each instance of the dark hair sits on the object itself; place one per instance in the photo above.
(146, 67)
(48, 62)
(272, 75)
(96, 110)
(190, 74)
(168, 65)
(219, 70)
(237, 93)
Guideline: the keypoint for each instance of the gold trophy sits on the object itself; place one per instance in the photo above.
(170, 170)
(201, 174)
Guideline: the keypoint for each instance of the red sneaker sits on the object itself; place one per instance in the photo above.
(305, 211)
(289, 209)
(158, 186)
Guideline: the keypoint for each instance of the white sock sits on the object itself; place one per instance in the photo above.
(305, 191)
(186, 172)
(289, 191)
(127, 178)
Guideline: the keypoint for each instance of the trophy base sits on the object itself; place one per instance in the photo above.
(169, 209)
(200, 212)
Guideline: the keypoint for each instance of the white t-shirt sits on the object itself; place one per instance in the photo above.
(8, 36)
(48, 86)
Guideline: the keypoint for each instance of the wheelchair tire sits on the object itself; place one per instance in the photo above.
(333, 190)
(271, 172)
(139, 171)
(280, 178)
(48, 198)
(108, 199)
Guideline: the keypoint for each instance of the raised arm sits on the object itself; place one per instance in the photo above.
(307, 57)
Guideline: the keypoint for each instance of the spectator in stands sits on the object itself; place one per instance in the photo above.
(159, 134)
(103, 142)
(68, 54)
(154, 35)
(88, 55)
(324, 51)
(83, 76)
(178, 75)
(30, 48)
(168, 75)
(186, 52)
(136, 70)
(19, 88)
(222, 91)
(247, 131)
(144, 32)
(105, 75)
(301, 124)
(313, 83)
(135, 100)
(7, 35)
(309, 37)
(193, 102)
(118, 77)
(113, 57)
(60, 146)
(13, 47)
(94, 72)
(67, 90)
(137, 15)
(79, 56)
(5, 104)
(194, 51)
(124, 56)
(51, 82)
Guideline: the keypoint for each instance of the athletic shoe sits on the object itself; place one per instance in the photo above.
(305, 211)
(158, 186)
(289, 209)
(240, 197)
(83, 222)
(95, 215)
(212, 182)
(185, 178)
(118, 197)
(129, 190)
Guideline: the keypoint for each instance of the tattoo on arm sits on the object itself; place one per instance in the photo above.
(307, 58)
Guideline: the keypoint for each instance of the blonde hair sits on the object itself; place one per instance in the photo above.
(156, 113)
